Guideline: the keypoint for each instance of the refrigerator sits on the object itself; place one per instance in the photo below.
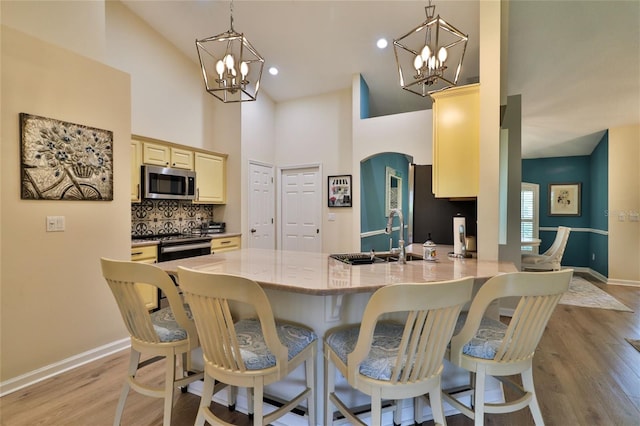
(431, 215)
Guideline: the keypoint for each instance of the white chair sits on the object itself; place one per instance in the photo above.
(395, 360)
(167, 334)
(488, 347)
(550, 259)
(251, 352)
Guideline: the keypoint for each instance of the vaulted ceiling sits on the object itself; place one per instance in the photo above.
(575, 63)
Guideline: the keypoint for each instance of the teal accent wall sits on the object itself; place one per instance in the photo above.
(364, 99)
(372, 197)
(591, 171)
(599, 243)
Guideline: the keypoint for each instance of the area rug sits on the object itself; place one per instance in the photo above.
(635, 343)
(583, 293)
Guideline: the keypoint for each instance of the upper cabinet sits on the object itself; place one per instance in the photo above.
(456, 141)
(136, 162)
(210, 167)
(167, 156)
(211, 171)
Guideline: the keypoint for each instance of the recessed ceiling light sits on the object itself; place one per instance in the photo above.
(273, 71)
(382, 43)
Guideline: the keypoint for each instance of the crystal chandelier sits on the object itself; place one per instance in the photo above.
(429, 57)
(231, 66)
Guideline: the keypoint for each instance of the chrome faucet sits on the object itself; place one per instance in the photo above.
(402, 257)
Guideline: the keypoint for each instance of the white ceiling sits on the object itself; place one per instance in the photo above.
(576, 63)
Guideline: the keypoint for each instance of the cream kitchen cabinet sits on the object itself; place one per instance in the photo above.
(211, 181)
(456, 142)
(146, 254)
(136, 161)
(222, 244)
(167, 156)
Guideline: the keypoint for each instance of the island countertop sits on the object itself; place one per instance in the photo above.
(318, 274)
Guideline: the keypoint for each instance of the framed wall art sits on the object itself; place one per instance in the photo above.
(64, 161)
(564, 199)
(339, 191)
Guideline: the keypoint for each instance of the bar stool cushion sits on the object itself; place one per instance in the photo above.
(487, 340)
(384, 348)
(164, 323)
(254, 350)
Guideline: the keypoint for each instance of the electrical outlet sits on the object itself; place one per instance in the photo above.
(593, 256)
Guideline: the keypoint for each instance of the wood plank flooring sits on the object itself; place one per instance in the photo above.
(585, 374)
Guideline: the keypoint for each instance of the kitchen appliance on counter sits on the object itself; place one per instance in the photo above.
(178, 246)
(168, 183)
(213, 228)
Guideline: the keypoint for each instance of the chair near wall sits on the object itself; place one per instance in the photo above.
(250, 352)
(394, 360)
(167, 334)
(549, 260)
(488, 347)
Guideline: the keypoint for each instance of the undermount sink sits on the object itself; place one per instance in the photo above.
(393, 257)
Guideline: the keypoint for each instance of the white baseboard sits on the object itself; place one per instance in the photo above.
(35, 376)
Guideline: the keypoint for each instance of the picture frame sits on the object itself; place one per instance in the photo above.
(339, 191)
(565, 199)
(61, 160)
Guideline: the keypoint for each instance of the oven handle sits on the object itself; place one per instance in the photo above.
(185, 247)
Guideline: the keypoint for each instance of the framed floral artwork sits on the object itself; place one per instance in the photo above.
(339, 191)
(64, 161)
(564, 199)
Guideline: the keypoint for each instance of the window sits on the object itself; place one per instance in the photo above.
(529, 213)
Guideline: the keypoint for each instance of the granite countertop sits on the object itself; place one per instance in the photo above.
(318, 274)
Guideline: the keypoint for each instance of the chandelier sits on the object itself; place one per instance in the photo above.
(429, 57)
(231, 66)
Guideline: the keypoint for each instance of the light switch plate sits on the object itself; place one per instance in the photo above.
(55, 223)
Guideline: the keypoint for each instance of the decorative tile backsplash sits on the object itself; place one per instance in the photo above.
(168, 216)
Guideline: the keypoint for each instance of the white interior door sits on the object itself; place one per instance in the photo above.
(261, 207)
(301, 198)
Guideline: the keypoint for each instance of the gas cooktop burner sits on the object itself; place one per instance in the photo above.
(172, 237)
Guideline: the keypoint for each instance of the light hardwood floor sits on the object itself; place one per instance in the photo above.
(585, 374)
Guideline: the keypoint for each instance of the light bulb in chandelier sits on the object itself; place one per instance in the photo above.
(220, 68)
(244, 69)
(426, 53)
(442, 55)
(229, 61)
(417, 62)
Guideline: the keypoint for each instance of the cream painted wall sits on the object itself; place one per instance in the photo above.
(78, 26)
(258, 144)
(409, 133)
(317, 130)
(166, 86)
(54, 302)
(624, 196)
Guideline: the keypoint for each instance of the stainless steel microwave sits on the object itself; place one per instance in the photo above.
(168, 183)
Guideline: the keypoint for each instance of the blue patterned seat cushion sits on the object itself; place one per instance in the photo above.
(164, 323)
(254, 350)
(384, 348)
(487, 340)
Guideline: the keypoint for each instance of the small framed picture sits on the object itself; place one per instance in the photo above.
(339, 191)
(564, 199)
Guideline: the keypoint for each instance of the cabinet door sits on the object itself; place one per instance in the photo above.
(149, 293)
(210, 179)
(220, 245)
(136, 162)
(456, 141)
(156, 154)
(181, 158)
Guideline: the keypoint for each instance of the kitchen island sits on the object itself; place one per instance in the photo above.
(322, 292)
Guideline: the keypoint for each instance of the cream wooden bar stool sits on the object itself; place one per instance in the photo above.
(167, 334)
(488, 347)
(394, 360)
(549, 260)
(253, 351)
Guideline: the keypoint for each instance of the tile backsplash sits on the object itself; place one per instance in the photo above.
(168, 216)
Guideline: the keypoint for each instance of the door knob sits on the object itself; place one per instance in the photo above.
(253, 230)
